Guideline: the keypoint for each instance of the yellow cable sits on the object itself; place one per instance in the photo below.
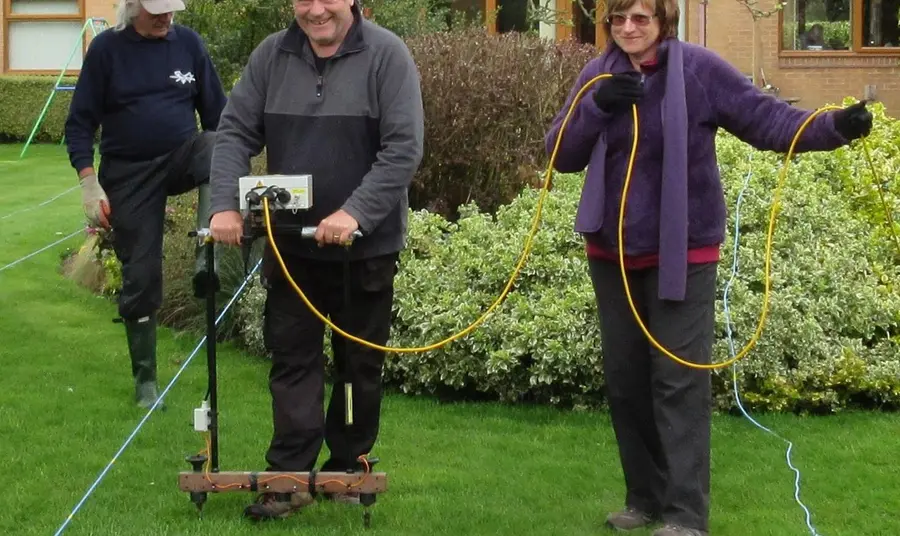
(429, 347)
(534, 226)
(768, 256)
(887, 211)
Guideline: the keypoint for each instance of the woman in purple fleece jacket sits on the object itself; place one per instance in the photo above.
(674, 225)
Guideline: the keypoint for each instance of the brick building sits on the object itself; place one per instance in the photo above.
(814, 52)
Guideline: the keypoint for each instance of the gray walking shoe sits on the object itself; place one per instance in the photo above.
(277, 505)
(677, 530)
(629, 519)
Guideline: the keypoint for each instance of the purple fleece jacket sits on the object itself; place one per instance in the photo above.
(688, 98)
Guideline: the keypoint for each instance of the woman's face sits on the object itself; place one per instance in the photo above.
(636, 30)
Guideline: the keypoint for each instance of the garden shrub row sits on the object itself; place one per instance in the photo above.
(21, 100)
(488, 100)
(830, 337)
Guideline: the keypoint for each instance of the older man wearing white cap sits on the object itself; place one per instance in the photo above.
(143, 84)
(151, 18)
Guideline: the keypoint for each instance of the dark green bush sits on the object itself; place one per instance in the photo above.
(21, 100)
(488, 100)
(410, 17)
(231, 29)
(230, 38)
(180, 309)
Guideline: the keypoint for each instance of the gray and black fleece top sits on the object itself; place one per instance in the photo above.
(357, 128)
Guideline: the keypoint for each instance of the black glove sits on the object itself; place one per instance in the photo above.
(618, 92)
(853, 121)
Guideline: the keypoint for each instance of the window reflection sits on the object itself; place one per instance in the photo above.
(815, 25)
(881, 28)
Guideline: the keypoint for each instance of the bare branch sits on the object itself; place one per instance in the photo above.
(753, 7)
(541, 11)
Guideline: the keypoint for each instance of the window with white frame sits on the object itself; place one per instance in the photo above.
(41, 35)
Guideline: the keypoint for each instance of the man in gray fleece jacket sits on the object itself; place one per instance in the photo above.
(337, 97)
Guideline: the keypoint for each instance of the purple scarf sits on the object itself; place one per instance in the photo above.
(673, 227)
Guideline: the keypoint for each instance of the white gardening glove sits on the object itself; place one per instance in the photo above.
(94, 201)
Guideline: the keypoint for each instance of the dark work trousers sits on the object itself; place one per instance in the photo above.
(295, 338)
(660, 409)
(137, 192)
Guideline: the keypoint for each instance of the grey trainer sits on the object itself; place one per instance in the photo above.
(676, 530)
(629, 519)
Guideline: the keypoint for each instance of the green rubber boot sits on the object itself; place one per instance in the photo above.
(200, 277)
(141, 335)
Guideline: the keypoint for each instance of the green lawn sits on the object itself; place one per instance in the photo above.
(453, 468)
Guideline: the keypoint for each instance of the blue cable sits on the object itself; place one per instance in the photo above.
(734, 269)
(43, 249)
(737, 398)
(54, 198)
(155, 404)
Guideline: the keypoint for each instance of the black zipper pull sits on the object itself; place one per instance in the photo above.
(319, 87)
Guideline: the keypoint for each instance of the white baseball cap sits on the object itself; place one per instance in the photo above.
(156, 7)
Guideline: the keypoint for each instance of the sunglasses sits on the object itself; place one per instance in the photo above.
(639, 19)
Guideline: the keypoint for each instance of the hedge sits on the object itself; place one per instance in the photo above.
(21, 100)
(831, 337)
(487, 100)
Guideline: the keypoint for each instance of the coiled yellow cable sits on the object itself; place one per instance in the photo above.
(776, 202)
(533, 231)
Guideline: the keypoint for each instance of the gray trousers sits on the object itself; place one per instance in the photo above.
(660, 409)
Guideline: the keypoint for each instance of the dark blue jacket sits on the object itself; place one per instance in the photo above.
(143, 94)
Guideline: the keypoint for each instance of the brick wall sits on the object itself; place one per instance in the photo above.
(105, 9)
(815, 79)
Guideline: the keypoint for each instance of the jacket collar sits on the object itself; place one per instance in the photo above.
(296, 42)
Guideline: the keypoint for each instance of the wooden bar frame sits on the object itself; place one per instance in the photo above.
(564, 31)
(600, 28)
(281, 482)
(9, 16)
(490, 19)
(856, 36)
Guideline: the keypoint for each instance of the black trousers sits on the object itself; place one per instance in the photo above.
(137, 192)
(661, 409)
(359, 302)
